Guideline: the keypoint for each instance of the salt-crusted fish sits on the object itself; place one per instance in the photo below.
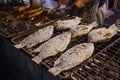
(72, 57)
(102, 34)
(36, 37)
(65, 24)
(80, 30)
(52, 46)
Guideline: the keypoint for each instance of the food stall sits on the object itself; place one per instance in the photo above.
(33, 42)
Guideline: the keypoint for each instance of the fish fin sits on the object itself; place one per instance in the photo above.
(113, 27)
(57, 62)
(36, 50)
(93, 24)
(18, 46)
(55, 71)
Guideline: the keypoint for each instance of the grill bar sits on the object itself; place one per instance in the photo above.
(101, 63)
(93, 68)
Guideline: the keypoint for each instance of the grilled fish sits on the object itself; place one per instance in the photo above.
(36, 38)
(36, 13)
(72, 57)
(80, 30)
(102, 34)
(33, 10)
(52, 46)
(21, 8)
(65, 24)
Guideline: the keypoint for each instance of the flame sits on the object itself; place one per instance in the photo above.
(40, 22)
(46, 17)
(6, 20)
(32, 18)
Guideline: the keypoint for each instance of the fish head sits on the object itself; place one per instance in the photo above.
(51, 26)
(87, 50)
(89, 47)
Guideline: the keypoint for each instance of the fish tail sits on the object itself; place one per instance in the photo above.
(55, 71)
(78, 18)
(18, 46)
(113, 27)
(94, 24)
(37, 59)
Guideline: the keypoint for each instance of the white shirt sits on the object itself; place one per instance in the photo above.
(49, 4)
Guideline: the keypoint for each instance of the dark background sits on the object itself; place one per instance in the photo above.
(15, 65)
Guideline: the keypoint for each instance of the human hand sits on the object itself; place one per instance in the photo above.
(81, 3)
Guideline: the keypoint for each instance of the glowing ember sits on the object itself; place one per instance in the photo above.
(46, 17)
(32, 18)
(38, 23)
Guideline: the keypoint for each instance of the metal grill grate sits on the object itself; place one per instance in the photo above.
(103, 66)
(67, 74)
(97, 67)
(12, 24)
(98, 47)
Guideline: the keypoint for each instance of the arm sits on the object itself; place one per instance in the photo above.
(102, 3)
(90, 11)
(81, 3)
(61, 2)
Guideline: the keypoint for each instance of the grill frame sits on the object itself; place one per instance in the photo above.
(32, 27)
(7, 35)
(82, 39)
(90, 60)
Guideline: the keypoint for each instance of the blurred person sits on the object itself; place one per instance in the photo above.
(86, 9)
